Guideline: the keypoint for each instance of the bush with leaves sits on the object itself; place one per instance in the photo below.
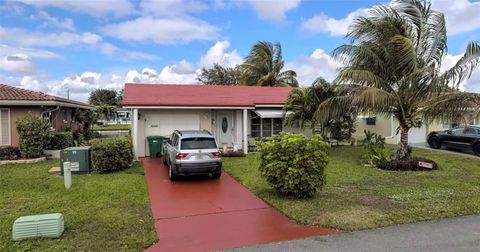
(374, 146)
(410, 164)
(10, 153)
(294, 164)
(60, 140)
(34, 134)
(111, 154)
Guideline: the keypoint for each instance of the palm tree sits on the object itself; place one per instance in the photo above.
(392, 66)
(263, 67)
(302, 103)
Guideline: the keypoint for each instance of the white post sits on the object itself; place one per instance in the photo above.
(135, 133)
(67, 175)
(245, 137)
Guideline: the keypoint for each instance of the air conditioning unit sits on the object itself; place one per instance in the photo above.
(44, 225)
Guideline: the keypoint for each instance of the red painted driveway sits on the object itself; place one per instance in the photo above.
(205, 214)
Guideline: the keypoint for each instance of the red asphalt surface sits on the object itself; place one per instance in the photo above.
(206, 214)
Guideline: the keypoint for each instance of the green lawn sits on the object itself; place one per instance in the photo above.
(112, 127)
(102, 212)
(359, 197)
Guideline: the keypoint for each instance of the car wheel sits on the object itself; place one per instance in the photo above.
(476, 149)
(216, 175)
(434, 143)
(171, 174)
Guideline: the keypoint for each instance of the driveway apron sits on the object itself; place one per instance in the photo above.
(206, 214)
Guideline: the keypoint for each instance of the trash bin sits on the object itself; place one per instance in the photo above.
(155, 146)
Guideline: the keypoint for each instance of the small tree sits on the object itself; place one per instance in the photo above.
(34, 134)
(218, 75)
(101, 97)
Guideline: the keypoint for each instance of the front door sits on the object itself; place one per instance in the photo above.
(224, 128)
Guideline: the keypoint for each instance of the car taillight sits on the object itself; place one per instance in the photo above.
(216, 154)
(181, 156)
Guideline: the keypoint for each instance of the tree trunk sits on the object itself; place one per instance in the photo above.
(403, 150)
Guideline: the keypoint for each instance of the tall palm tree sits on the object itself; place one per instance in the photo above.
(263, 67)
(392, 66)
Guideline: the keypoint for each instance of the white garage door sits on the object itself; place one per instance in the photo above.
(164, 124)
(417, 135)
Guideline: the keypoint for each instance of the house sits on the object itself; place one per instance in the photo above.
(234, 114)
(16, 102)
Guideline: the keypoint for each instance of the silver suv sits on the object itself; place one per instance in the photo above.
(192, 152)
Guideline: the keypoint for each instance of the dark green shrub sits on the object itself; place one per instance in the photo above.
(111, 154)
(34, 134)
(374, 146)
(60, 140)
(410, 164)
(294, 164)
(9, 153)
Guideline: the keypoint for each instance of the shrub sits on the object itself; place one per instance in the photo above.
(34, 134)
(9, 153)
(60, 140)
(374, 146)
(411, 164)
(294, 164)
(111, 154)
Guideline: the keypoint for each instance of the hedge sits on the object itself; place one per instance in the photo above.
(294, 164)
(60, 140)
(111, 154)
(34, 133)
(9, 153)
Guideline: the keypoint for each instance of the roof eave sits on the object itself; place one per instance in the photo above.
(43, 103)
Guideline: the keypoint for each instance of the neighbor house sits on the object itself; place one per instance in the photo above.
(233, 114)
(17, 102)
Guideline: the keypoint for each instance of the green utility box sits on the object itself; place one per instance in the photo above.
(79, 158)
(44, 225)
(155, 144)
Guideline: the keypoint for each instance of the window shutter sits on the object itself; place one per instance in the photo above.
(4, 127)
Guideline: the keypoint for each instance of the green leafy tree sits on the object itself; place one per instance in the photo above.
(105, 111)
(392, 66)
(264, 65)
(101, 97)
(218, 75)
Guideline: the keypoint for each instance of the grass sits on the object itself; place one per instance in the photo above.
(102, 212)
(360, 197)
(111, 127)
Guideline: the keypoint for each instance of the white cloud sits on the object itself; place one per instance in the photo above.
(322, 23)
(6, 50)
(461, 16)
(309, 68)
(162, 30)
(164, 8)
(272, 10)
(99, 8)
(18, 63)
(217, 54)
(66, 24)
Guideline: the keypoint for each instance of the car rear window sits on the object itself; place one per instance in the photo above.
(198, 143)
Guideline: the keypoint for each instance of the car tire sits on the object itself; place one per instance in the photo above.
(476, 149)
(434, 143)
(216, 175)
(171, 174)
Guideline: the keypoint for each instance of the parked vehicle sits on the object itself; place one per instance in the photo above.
(192, 152)
(461, 138)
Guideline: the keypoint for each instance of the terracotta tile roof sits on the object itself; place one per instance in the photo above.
(9, 93)
(202, 95)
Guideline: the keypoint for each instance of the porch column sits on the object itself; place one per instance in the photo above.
(135, 133)
(245, 137)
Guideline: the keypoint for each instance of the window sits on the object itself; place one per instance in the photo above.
(470, 130)
(371, 120)
(5, 127)
(49, 116)
(456, 131)
(198, 143)
(265, 127)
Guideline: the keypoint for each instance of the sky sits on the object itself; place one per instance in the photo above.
(76, 46)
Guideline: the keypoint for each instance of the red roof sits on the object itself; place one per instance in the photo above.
(202, 95)
(9, 93)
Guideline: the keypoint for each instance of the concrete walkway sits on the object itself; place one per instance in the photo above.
(206, 214)
(453, 234)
